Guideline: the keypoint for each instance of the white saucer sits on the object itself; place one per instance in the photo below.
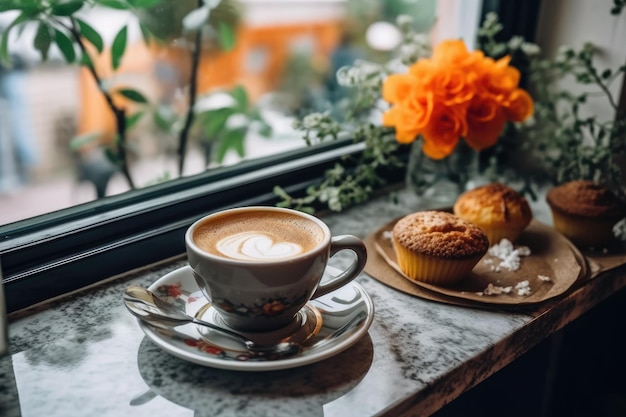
(331, 324)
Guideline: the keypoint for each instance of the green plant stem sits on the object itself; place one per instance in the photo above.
(119, 113)
(193, 86)
(599, 82)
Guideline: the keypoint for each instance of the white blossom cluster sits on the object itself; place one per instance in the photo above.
(361, 74)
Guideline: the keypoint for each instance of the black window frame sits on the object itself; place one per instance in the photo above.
(53, 254)
(50, 255)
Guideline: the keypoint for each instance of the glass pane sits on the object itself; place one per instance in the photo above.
(261, 64)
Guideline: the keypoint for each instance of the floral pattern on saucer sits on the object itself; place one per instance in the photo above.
(175, 294)
(327, 326)
(263, 308)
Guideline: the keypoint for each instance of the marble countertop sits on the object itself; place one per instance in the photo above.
(85, 355)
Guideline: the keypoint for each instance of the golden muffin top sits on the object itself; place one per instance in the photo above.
(440, 234)
(494, 204)
(587, 199)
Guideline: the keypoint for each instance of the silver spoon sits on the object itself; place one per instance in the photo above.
(147, 306)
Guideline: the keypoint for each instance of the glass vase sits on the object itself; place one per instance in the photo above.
(438, 182)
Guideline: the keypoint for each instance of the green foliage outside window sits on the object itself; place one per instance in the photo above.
(198, 22)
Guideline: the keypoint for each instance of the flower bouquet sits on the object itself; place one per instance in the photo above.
(456, 114)
(455, 94)
(450, 96)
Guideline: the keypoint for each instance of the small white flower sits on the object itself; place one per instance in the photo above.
(404, 21)
(312, 120)
(421, 39)
(347, 76)
(531, 49)
(491, 18)
(516, 42)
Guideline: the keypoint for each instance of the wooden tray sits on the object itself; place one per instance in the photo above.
(552, 255)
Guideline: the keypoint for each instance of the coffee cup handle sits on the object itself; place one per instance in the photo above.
(339, 243)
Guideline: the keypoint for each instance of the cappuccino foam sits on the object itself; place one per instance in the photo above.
(258, 235)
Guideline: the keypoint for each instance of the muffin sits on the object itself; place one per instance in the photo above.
(585, 212)
(500, 211)
(436, 247)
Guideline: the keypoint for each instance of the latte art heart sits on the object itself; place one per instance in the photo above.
(255, 246)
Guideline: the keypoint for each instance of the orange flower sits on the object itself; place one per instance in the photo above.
(398, 87)
(496, 78)
(454, 53)
(411, 118)
(452, 95)
(451, 86)
(520, 105)
(485, 121)
(422, 71)
(441, 135)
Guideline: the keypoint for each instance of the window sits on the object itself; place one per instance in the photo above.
(53, 253)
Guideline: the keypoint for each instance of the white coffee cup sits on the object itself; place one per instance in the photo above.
(258, 266)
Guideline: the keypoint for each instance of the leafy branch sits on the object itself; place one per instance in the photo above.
(580, 146)
(343, 187)
(195, 61)
(566, 143)
(78, 29)
(569, 142)
(618, 5)
(57, 23)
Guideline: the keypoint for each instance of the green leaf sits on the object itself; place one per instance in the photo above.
(112, 156)
(66, 46)
(234, 140)
(29, 7)
(607, 73)
(164, 119)
(91, 35)
(6, 5)
(215, 120)
(240, 95)
(5, 58)
(133, 119)
(85, 60)
(197, 18)
(114, 4)
(146, 34)
(133, 95)
(66, 8)
(4, 43)
(265, 130)
(119, 47)
(226, 36)
(144, 3)
(79, 141)
(43, 39)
